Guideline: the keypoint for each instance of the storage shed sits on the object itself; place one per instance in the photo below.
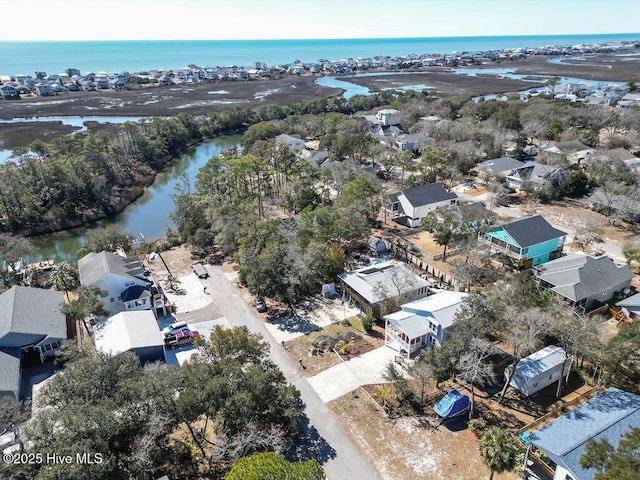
(539, 370)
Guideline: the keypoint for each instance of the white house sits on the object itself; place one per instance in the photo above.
(124, 279)
(386, 116)
(136, 332)
(410, 206)
(539, 370)
(422, 322)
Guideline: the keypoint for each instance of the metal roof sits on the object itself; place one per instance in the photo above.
(608, 415)
(127, 331)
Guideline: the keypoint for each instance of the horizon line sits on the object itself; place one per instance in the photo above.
(316, 39)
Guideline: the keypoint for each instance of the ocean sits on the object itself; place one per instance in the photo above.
(134, 56)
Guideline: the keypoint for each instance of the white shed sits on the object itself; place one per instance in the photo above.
(539, 370)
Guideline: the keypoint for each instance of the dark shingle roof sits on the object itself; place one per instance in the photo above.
(579, 276)
(427, 194)
(531, 231)
(501, 164)
(608, 415)
(34, 311)
(9, 369)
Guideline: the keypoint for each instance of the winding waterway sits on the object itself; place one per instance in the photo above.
(149, 214)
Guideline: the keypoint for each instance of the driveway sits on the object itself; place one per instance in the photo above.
(347, 376)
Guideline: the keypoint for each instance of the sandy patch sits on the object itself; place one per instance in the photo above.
(190, 294)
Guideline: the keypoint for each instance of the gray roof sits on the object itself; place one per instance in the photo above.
(33, 311)
(538, 173)
(578, 276)
(427, 194)
(290, 141)
(620, 154)
(93, 266)
(608, 415)
(9, 369)
(572, 146)
(632, 301)
(530, 231)
(369, 281)
(502, 164)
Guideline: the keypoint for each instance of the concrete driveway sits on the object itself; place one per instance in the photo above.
(347, 376)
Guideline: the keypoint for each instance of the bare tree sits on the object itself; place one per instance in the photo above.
(421, 371)
(587, 235)
(524, 334)
(402, 282)
(474, 368)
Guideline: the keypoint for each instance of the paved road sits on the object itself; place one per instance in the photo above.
(325, 439)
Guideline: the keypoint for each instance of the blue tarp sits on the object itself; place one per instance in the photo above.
(452, 404)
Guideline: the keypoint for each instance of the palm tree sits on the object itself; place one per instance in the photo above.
(498, 450)
(64, 277)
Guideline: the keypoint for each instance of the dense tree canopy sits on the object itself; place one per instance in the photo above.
(189, 422)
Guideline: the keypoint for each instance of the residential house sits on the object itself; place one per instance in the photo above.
(585, 281)
(598, 101)
(539, 370)
(373, 285)
(499, 166)
(387, 116)
(607, 416)
(535, 175)
(124, 279)
(573, 150)
(422, 322)
(526, 242)
(136, 332)
(409, 207)
(630, 100)
(413, 141)
(9, 92)
(32, 328)
(294, 143)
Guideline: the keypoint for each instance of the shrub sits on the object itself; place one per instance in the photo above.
(478, 426)
(367, 322)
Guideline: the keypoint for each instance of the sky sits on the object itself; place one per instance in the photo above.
(291, 19)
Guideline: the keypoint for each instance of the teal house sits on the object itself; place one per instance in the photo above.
(526, 242)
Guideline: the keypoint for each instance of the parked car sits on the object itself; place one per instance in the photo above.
(174, 328)
(184, 337)
(200, 270)
(260, 305)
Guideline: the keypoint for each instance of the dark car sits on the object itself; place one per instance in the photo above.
(260, 305)
(200, 270)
